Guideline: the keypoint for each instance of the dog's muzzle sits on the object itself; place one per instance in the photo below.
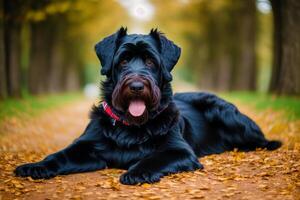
(136, 95)
(137, 105)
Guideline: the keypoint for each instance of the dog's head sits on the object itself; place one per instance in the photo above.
(138, 69)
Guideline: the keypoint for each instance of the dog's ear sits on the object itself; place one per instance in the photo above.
(106, 49)
(169, 51)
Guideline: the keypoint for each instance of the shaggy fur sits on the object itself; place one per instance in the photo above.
(168, 137)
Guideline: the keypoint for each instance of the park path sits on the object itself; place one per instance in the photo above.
(233, 175)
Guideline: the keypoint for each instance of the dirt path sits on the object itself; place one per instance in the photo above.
(233, 175)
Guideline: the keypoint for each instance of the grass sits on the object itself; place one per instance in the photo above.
(290, 105)
(33, 105)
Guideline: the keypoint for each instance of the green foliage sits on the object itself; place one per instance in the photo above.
(290, 105)
(32, 105)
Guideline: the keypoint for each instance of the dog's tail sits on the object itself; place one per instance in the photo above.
(273, 144)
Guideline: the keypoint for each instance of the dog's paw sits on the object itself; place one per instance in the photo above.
(134, 177)
(35, 171)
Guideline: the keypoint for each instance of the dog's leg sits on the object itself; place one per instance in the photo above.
(81, 156)
(176, 156)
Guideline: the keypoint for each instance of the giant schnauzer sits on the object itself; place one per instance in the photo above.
(141, 126)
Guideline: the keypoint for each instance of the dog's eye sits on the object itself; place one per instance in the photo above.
(123, 63)
(149, 62)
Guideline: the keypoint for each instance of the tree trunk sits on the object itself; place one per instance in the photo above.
(72, 67)
(12, 37)
(286, 53)
(3, 81)
(244, 60)
(72, 76)
(48, 71)
(57, 55)
(38, 65)
(208, 72)
(230, 39)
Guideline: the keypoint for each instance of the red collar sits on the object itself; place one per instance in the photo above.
(107, 109)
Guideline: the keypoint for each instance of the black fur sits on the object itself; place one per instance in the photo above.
(183, 127)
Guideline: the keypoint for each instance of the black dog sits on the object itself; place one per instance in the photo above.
(141, 126)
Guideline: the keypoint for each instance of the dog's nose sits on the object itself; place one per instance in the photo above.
(136, 86)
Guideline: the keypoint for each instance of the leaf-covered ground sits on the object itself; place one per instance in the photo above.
(233, 175)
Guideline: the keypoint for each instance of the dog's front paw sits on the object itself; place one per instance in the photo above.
(133, 177)
(35, 171)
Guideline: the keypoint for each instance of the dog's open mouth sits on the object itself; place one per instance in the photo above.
(137, 113)
(136, 107)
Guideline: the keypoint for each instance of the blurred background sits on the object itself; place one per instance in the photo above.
(47, 46)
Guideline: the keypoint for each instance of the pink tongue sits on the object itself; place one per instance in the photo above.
(136, 108)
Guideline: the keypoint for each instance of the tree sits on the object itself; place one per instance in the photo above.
(286, 52)
(45, 71)
(243, 38)
(3, 84)
(50, 41)
(12, 45)
(59, 41)
(230, 45)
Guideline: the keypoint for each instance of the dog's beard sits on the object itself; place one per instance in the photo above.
(136, 106)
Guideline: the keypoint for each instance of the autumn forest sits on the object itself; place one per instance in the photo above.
(245, 51)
